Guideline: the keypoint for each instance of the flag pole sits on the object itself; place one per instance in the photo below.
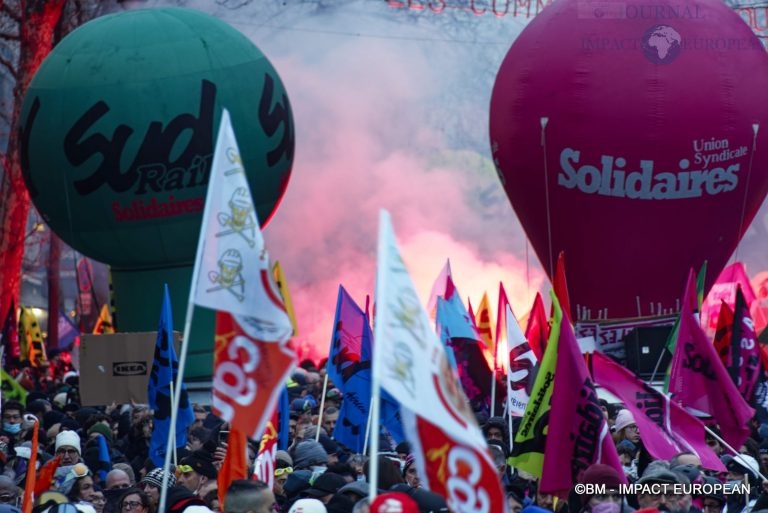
(493, 389)
(173, 433)
(188, 320)
(728, 446)
(322, 407)
(367, 430)
(378, 339)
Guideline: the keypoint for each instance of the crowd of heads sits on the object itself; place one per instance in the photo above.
(314, 472)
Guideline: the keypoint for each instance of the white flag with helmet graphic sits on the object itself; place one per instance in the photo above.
(232, 263)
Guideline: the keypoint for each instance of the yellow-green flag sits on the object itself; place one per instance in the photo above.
(531, 436)
(31, 339)
(11, 389)
(282, 285)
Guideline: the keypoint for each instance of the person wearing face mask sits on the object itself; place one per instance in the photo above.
(612, 501)
(13, 416)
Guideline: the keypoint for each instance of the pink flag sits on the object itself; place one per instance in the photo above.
(699, 381)
(724, 288)
(667, 429)
(578, 433)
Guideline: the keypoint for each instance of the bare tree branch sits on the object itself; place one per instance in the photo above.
(8, 10)
(10, 66)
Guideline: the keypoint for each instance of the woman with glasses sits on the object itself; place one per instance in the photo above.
(134, 501)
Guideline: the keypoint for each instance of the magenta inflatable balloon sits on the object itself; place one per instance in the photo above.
(635, 139)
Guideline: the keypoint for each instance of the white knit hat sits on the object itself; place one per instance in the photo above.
(70, 439)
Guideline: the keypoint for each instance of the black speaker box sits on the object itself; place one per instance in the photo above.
(644, 346)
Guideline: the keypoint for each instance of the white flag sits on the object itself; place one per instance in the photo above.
(521, 363)
(409, 359)
(232, 263)
(411, 364)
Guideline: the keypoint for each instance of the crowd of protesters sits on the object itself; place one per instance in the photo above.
(314, 474)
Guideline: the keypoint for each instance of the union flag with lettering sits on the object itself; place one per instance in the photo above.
(699, 380)
(247, 374)
(581, 437)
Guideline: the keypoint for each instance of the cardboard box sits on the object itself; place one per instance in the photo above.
(116, 367)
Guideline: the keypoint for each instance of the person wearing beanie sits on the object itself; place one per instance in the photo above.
(68, 447)
(197, 473)
(152, 483)
(495, 429)
(625, 427)
(104, 430)
(180, 499)
(607, 476)
(309, 454)
(331, 448)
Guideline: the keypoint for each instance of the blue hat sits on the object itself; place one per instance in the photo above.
(302, 404)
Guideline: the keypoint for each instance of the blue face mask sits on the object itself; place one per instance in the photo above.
(13, 429)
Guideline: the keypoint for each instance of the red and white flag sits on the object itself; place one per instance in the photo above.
(264, 467)
(411, 364)
(247, 374)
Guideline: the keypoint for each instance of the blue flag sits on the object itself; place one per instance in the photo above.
(284, 419)
(349, 367)
(68, 332)
(105, 461)
(459, 334)
(165, 370)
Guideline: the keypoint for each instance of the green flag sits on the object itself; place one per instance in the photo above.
(11, 389)
(530, 439)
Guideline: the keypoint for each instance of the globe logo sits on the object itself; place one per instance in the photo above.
(599, 13)
(661, 44)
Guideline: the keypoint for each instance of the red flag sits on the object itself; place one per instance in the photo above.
(10, 334)
(585, 438)
(560, 285)
(264, 469)
(537, 330)
(699, 381)
(247, 375)
(666, 427)
(723, 334)
(235, 464)
(461, 472)
(45, 476)
(29, 488)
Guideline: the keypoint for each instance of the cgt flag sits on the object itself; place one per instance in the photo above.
(232, 264)
(410, 363)
(248, 374)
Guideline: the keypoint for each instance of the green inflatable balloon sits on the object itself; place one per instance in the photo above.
(117, 136)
